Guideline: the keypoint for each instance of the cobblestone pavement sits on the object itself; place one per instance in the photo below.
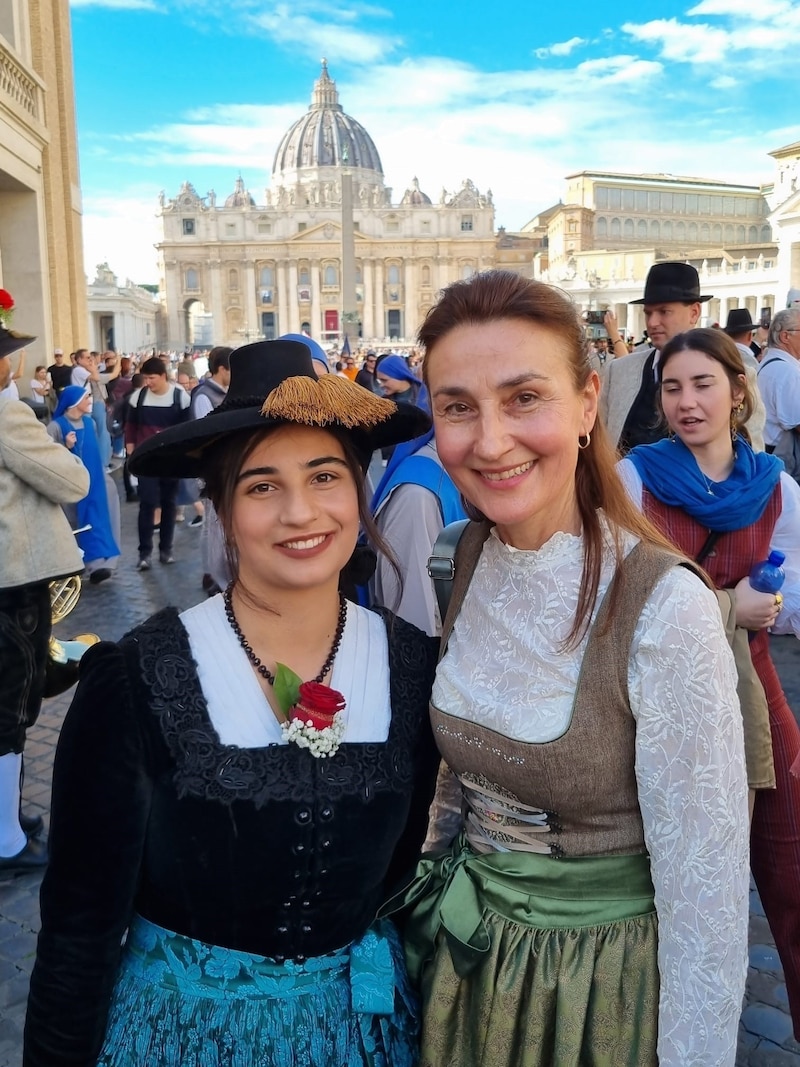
(113, 608)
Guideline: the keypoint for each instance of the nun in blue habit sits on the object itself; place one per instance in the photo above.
(99, 509)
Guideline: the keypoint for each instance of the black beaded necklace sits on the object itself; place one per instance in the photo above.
(265, 672)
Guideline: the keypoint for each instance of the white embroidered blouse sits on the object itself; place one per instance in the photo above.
(504, 669)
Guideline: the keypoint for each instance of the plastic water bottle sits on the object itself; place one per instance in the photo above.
(768, 575)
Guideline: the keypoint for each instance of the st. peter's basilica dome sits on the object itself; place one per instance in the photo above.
(325, 137)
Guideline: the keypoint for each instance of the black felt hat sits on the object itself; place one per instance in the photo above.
(672, 283)
(273, 383)
(739, 321)
(11, 341)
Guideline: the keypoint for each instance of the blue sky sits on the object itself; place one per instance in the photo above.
(514, 96)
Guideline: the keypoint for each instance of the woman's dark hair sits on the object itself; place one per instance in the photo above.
(717, 345)
(499, 294)
(224, 461)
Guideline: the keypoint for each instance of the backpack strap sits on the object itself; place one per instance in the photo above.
(455, 557)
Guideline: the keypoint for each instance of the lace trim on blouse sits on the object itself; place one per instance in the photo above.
(210, 770)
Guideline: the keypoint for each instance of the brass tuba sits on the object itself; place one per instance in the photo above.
(64, 656)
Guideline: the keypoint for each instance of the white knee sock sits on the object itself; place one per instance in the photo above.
(12, 837)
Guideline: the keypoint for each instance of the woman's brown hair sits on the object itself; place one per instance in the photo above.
(498, 294)
(717, 346)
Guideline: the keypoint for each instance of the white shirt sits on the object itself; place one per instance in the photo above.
(785, 538)
(779, 385)
(504, 668)
(237, 707)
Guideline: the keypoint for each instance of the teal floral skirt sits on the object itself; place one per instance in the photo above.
(178, 1001)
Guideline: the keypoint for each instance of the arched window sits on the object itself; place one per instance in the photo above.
(331, 276)
(393, 275)
(716, 233)
(426, 276)
(680, 231)
(191, 278)
(627, 229)
(616, 229)
(740, 235)
(467, 271)
(766, 233)
(729, 234)
(752, 235)
(692, 233)
(304, 278)
(233, 278)
(641, 230)
(666, 231)
(602, 227)
(267, 276)
(655, 229)
(705, 233)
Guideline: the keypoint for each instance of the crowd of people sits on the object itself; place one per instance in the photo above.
(327, 816)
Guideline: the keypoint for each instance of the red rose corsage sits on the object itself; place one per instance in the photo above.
(6, 305)
(313, 712)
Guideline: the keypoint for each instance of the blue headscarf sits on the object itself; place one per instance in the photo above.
(669, 471)
(317, 352)
(69, 397)
(394, 366)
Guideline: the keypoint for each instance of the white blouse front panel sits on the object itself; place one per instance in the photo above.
(504, 669)
(237, 707)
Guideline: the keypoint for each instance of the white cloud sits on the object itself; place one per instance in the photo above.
(563, 48)
(121, 231)
(328, 30)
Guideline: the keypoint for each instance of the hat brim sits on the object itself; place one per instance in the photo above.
(12, 342)
(182, 451)
(671, 298)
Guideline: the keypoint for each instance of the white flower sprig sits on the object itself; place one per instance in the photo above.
(320, 743)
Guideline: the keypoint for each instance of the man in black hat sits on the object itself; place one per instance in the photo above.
(739, 328)
(672, 304)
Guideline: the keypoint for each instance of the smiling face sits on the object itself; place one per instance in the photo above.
(697, 398)
(392, 386)
(83, 407)
(294, 512)
(508, 417)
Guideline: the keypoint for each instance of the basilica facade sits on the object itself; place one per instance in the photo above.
(328, 251)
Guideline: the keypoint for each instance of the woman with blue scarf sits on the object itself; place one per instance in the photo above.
(73, 427)
(728, 507)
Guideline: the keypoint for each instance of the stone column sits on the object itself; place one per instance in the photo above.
(282, 325)
(410, 298)
(316, 310)
(368, 312)
(294, 303)
(380, 314)
(216, 309)
(252, 317)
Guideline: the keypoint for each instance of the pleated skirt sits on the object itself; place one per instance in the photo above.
(178, 1001)
(526, 961)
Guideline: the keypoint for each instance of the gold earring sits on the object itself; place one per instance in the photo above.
(586, 442)
(735, 413)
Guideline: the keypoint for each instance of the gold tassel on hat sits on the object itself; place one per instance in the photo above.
(326, 401)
